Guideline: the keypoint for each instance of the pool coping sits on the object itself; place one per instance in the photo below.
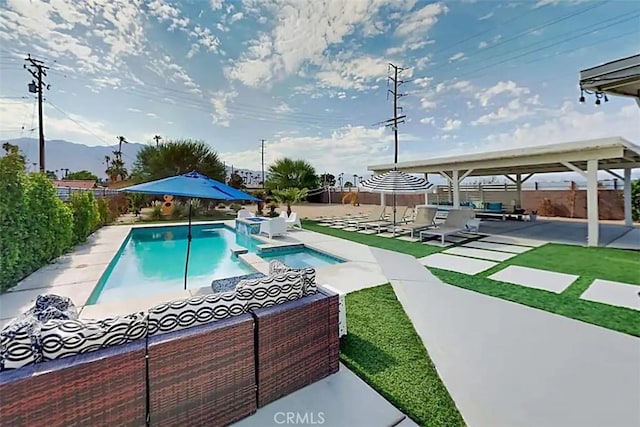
(105, 243)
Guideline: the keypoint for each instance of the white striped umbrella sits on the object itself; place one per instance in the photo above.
(396, 182)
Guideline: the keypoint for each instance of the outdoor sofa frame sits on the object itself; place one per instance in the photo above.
(212, 374)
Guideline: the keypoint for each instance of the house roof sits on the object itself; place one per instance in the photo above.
(612, 153)
(75, 183)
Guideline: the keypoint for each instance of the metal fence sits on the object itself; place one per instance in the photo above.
(65, 192)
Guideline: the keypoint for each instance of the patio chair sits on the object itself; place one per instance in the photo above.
(273, 227)
(374, 215)
(400, 215)
(244, 213)
(293, 221)
(456, 221)
(424, 218)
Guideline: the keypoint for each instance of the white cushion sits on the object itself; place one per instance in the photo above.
(17, 346)
(308, 275)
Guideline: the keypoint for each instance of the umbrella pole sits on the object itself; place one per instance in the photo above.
(186, 264)
(394, 214)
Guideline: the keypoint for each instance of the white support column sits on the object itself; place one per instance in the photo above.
(628, 220)
(426, 194)
(592, 203)
(383, 200)
(455, 180)
(519, 190)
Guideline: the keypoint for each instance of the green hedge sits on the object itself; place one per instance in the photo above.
(35, 225)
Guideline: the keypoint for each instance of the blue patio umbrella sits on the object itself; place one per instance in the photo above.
(191, 185)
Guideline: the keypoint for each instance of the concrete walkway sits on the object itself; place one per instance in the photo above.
(340, 400)
(506, 364)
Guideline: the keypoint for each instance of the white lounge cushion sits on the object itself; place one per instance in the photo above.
(308, 275)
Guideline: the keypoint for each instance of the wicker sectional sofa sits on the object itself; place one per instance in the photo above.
(205, 360)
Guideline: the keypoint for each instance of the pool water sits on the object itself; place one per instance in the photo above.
(152, 261)
(296, 258)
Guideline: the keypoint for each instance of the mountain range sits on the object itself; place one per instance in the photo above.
(61, 154)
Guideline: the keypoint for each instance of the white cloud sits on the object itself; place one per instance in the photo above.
(502, 87)
(152, 115)
(483, 44)
(427, 120)
(355, 146)
(303, 33)
(451, 125)
(58, 126)
(216, 4)
(219, 100)
(542, 3)
(487, 16)
(283, 108)
(570, 124)
(357, 74)
(166, 12)
(514, 110)
(456, 56)
(409, 47)
(421, 21)
(164, 67)
(134, 110)
(236, 17)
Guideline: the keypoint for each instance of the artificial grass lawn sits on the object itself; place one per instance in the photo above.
(566, 304)
(385, 351)
(417, 250)
(589, 263)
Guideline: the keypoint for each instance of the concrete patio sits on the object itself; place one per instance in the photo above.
(506, 364)
(567, 232)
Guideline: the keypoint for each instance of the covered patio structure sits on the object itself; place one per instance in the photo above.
(620, 77)
(583, 157)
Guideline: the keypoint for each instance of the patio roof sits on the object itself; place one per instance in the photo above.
(611, 153)
(620, 77)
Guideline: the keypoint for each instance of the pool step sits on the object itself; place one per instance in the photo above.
(238, 251)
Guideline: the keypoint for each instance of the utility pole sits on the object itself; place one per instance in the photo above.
(38, 70)
(157, 138)
(263, 141)
(395, 120)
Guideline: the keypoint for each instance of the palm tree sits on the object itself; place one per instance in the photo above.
(288, 173)
(290, 196)
(178, 157)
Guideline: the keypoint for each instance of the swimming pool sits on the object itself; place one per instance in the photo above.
(151, 260)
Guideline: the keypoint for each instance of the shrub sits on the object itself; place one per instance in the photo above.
(86, 217)
(35, 225)
(156, 210)
(235, 207)
(106, 216)
(180, 210)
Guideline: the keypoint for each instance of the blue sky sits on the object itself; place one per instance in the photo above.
(310, 76)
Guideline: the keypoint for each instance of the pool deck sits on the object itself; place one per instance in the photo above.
(76, 274)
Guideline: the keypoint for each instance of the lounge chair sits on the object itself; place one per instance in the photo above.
(273, 227)
(456, 222)
(374, 215)
(244, 213)
(292, 221)
(424, 218)
(400, 217)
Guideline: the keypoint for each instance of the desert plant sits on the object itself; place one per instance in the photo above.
(180, 210)
(272, 206)
(156, 210)
(290, 196)
(288, 173)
